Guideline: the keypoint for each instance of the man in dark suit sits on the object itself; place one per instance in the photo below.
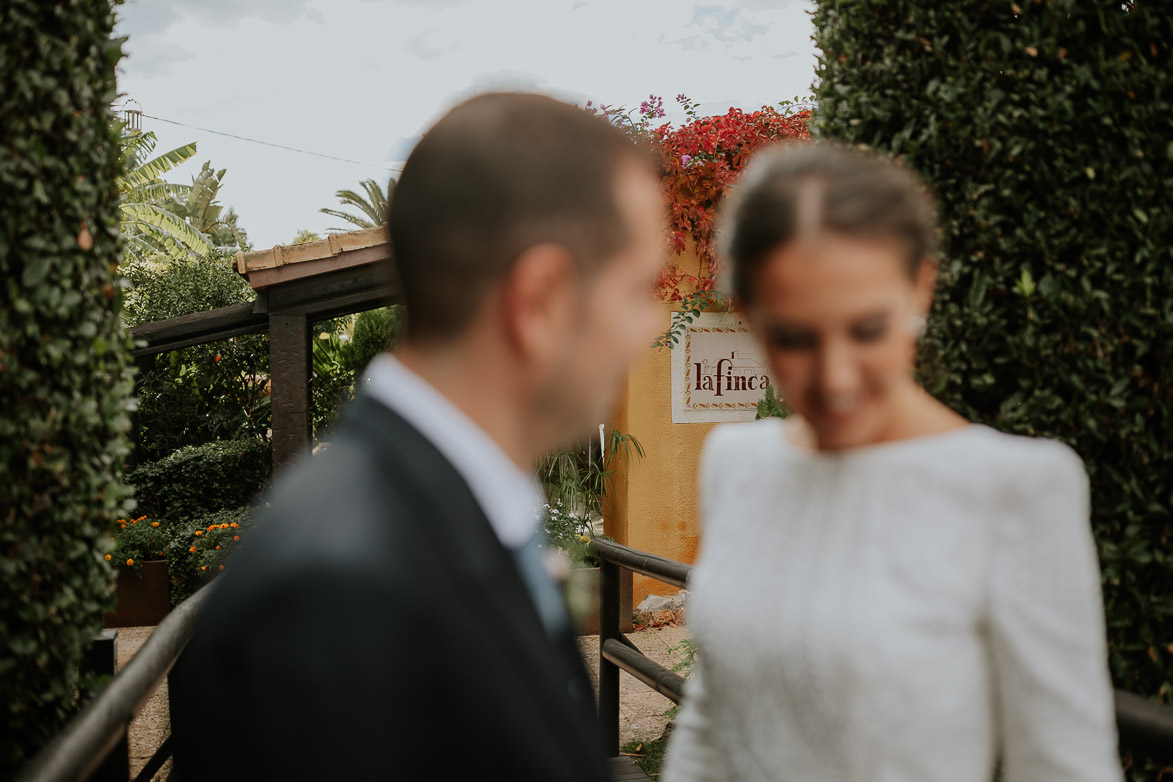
(391, 618)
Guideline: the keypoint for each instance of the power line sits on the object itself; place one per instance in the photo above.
(270, 144)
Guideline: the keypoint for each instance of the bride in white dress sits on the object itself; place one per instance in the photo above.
(884, 590)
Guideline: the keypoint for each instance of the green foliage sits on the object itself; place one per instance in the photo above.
(375, 331)
(182, 286)
(371, 205)
(578, 478)
(1045, 130)
(65, 373)
(202, 479)
(199, 548)
(648, 755)
(305, 235)
(197, 205)
(342, 348)
(567, 530)
(136, 541)
(770, 406)
(195, 395)
(150, 224)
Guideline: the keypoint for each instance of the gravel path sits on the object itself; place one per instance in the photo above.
(153, 722)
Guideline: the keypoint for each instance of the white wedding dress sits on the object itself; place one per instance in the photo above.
(905, 612)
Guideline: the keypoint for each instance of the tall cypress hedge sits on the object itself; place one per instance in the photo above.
(1046, 128)
(65, 377)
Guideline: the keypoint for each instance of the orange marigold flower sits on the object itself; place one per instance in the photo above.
(154, 523)
(221, 567)
(236, 537)
(107, 557)
(122, 521)
(192, 549)
(203, 567)
(217, 548)
(134, 521)
(199, 532)
(130, 561)
(234, 525)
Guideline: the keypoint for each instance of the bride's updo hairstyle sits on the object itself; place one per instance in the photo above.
(800, 190)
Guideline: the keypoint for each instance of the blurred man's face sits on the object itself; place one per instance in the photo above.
(618, 314)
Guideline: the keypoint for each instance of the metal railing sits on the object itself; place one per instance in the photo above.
(1145, 727)
(92, 735)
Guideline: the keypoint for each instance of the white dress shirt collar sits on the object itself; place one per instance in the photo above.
(510, 498)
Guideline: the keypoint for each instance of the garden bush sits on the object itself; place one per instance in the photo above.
(65, 373)
(199, 548)
(202, 479)
(194, 395)
(1046, 129)
(374, 331)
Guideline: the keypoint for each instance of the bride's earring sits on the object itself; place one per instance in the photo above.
(917, 326)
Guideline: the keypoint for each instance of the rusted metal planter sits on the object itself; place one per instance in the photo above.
(586, 581)
(143, 598)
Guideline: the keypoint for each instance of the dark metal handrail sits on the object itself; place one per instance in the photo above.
(1145, 727)
(90, 736)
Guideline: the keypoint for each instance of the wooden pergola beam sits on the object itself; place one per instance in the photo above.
(296, 285)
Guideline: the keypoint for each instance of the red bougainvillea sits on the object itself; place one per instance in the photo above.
(697, 162)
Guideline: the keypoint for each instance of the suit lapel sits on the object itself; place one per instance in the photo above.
(462, 533)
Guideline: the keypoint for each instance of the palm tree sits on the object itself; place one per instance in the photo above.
(198, 206)
(372, 206)
(149, 224)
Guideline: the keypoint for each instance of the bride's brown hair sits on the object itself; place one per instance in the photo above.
(800, 189)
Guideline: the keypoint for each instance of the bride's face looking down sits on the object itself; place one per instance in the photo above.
(839, 317)
(829, 252)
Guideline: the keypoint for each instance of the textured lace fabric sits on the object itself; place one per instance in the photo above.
(906, 612)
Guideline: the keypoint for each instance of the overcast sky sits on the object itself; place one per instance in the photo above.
(361, 79)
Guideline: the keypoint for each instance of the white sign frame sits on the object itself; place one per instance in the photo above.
(686, 409)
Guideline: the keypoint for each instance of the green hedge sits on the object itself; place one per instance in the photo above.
(1046, 129)
(202, 479)
(65, 377)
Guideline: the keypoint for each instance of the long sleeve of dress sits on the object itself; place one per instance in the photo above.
(1046, 630)
(694, 754)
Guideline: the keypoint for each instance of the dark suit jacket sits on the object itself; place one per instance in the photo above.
(375, 628)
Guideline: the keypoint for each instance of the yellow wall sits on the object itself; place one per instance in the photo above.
(654, 499)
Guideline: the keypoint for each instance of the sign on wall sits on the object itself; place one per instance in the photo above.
(719, 371)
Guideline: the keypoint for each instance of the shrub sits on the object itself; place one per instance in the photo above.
(1045, 129)
(199, 548)
(202, 479)
(217, 390)
(374, 332)
(64, 357)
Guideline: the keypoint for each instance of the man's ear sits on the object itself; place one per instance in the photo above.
(540, 300)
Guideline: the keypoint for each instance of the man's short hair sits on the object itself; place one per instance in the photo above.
(498, 174)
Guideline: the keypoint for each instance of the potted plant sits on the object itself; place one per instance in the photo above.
(143, 589)
(576, 481)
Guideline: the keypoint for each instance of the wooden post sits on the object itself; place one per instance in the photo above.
(289, 370)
